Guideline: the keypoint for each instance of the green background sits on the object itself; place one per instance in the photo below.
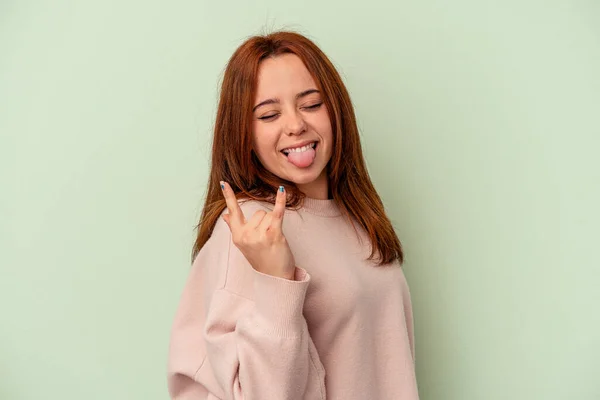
(481, 127)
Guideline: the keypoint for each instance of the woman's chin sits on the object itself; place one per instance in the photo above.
(304, 177)
(302, 180)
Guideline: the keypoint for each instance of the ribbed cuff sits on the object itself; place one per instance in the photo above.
(281, 301)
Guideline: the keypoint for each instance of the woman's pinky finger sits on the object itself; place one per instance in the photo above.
(280, 201)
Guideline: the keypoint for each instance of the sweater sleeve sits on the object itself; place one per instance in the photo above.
(226, 344)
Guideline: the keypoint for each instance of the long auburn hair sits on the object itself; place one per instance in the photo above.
(234, 161)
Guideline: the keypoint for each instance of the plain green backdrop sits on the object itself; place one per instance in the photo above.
(480, 126)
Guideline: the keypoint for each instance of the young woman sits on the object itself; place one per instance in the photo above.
(296, 292)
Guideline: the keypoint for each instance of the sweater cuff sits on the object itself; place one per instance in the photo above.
(280, 301)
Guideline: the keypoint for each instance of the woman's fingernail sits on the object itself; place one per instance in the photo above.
(281, 188)
(222, 186)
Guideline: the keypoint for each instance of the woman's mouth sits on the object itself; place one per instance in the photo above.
(301, 149)
(301, 157)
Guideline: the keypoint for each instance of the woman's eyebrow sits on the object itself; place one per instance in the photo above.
(276, 100)
(306, 93)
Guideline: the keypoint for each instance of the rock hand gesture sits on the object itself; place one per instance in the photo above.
(261, 238)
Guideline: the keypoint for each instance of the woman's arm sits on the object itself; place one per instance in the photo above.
(225, 345)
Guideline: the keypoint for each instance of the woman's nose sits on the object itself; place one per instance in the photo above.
(295, 124)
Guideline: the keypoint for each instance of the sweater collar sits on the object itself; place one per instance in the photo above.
(324, 208)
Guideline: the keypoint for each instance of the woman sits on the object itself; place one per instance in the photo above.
(296, 292)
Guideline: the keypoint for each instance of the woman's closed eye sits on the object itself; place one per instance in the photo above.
(268, 117)
(272, 116)
(314, 106)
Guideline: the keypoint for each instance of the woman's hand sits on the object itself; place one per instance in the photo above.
(261, 238)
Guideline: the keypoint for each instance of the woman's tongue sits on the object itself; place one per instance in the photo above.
(302, 159)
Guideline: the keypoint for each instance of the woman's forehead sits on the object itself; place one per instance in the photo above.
(283, 75)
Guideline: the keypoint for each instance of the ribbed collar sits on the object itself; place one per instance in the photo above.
(324, 208)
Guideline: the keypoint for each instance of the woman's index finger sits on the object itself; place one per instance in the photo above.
(237, 215)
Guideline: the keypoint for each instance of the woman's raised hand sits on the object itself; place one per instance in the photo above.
(261, 238)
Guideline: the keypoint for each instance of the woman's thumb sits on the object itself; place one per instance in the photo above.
(226, 219)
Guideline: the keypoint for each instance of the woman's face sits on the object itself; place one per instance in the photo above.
(291, 127)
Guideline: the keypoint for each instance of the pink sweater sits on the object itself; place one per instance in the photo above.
(341, 331)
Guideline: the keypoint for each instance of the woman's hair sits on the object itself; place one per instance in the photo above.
(234, 161)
